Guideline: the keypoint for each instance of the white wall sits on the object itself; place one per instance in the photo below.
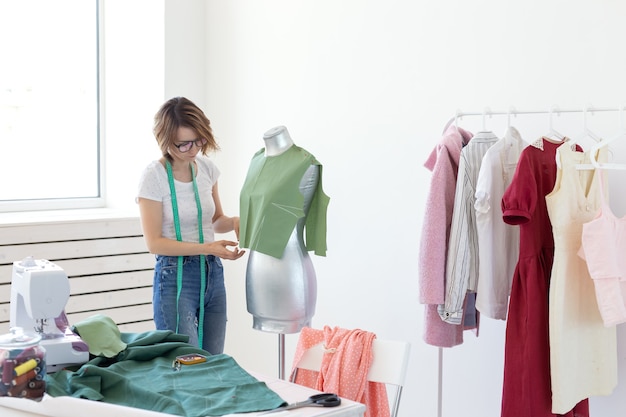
(367, 87)
(133, 89)
(185, 50)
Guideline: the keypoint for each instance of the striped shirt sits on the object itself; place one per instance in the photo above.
(462, 258)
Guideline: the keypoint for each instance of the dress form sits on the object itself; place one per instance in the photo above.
(281, 292)
(277, 140)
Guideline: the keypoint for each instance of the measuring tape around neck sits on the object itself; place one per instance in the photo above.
(179, 272)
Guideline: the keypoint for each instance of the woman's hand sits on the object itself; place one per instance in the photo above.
(220, 248)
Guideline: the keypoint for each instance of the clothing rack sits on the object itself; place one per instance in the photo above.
(513, 112)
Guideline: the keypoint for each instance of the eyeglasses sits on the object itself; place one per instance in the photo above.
(186, 146)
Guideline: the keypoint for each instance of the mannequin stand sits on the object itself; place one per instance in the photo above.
(281, 356)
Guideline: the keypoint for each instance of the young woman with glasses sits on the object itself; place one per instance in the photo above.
(180, 213)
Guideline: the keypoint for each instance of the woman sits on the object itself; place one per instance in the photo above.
(180, 212)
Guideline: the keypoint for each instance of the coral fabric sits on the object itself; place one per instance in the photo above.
(444, 164)
(345, 365)
(526, 387)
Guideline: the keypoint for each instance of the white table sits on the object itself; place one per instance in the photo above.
(293, 393)
(75, 407)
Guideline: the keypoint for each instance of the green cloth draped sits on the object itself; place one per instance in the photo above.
(142, 377)
(271, 203)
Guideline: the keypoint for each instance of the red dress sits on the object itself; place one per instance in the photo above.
(526, 387)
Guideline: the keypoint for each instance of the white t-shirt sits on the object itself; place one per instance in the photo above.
(154, 185)
(498, 242)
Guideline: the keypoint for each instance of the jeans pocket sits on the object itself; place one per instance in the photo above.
(167, 265)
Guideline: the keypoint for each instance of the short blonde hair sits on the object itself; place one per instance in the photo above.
(181, 112)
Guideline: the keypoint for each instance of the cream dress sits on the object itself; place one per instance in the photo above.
(583, 353)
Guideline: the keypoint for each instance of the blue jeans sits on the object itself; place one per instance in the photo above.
(164, 300)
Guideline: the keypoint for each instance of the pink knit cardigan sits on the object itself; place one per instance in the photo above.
(444, 163)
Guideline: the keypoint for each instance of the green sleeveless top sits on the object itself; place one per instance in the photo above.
(271, 203)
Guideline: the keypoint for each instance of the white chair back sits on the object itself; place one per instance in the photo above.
(389, 363)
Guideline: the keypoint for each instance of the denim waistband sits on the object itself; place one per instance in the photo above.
(209, 258)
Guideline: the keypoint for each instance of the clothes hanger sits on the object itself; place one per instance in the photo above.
(587, 133)
(620, 135)
(486, 112)
(554, 136)
(552, 133)
(508, 116)
(455, 121)
(510, 129)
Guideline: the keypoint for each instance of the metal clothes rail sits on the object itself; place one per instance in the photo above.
(513, 112)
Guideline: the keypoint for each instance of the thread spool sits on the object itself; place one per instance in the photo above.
(27, 354)
(26, 377)
(7, 371)
(22, 365)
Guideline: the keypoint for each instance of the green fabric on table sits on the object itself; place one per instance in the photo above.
(142, 377)
(101, 335)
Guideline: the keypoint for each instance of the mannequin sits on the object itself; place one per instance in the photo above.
(277, 140)
(281, 292)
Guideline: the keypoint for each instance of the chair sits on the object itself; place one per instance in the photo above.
(389, 363)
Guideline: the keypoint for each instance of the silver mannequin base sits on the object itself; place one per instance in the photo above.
(281, 293)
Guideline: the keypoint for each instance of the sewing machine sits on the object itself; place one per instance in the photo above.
(39, 291)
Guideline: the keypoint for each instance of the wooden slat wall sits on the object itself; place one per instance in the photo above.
(109, 268)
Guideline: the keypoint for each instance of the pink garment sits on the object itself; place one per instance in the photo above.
(603, 247)
(345, 365)
(444, 164)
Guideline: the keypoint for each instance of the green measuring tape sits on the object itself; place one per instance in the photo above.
(179, 272)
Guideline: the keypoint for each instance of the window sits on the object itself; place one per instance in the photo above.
(49, 105)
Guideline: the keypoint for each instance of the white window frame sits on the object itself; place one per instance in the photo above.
(99, 200)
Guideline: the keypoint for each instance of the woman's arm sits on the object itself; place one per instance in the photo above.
(221, 222)
(151, 213)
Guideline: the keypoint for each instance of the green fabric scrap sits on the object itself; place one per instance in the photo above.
(101, 335)
(142, 377)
